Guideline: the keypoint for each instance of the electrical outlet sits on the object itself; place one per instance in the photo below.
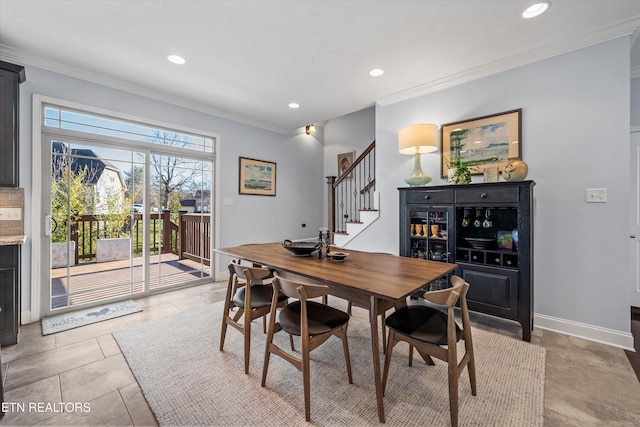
(10, 214)
(596, 195)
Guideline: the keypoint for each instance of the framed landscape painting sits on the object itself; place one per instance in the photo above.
(482, 142)
(257, 177)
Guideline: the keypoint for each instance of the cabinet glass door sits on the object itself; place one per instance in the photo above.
(429, 238)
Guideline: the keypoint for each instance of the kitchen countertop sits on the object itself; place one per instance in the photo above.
(18, 239)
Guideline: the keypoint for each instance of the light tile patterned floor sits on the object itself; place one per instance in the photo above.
(587, 384)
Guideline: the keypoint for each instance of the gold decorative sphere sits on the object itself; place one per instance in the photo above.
(515, 170)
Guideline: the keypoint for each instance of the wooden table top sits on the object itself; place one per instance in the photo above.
(385, 276)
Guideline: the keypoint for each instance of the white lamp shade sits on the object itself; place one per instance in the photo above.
(422, 136)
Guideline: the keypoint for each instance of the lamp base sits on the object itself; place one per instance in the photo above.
(417, 177)
(417, 180)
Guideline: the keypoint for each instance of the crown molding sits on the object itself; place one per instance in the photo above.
(620, 29)
(15, 56)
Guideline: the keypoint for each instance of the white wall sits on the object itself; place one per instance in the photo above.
(635, 101)
(575, 135)
(250, 218)
(351, 132)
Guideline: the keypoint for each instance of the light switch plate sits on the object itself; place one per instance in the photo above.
(596, 195)
(10, 214)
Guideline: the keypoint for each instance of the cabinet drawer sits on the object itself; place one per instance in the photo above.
(487, 195)
(430, 196)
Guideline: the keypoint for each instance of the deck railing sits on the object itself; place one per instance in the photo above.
(195, 237)
(188, 239)
(352, 192)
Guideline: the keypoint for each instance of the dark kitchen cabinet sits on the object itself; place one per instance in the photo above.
(11, 76)
(9, 294)
(489, 235)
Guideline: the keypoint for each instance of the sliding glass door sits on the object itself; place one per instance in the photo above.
(128, 210)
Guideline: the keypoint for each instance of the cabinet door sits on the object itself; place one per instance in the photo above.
(427, 231)
(8, 129)
(491, 290)
(7, 279)
(9, 268)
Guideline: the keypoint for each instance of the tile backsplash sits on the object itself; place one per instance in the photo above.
(13, 222)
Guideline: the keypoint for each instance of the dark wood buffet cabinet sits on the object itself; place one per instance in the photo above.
(487, 230)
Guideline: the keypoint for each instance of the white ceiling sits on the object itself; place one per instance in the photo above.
(247, 60)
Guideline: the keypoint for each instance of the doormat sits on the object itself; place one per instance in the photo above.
(63, 322)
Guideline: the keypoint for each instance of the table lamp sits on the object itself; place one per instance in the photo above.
(418, 139)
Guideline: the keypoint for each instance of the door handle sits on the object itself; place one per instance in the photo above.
(48, 220)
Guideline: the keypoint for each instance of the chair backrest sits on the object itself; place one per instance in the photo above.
(449, 297)
(298, 290)
(240, 271)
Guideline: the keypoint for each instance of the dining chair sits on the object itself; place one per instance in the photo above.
(433, 331)
(252, 300)
(312, 321)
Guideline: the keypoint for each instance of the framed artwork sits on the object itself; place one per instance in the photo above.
(257, 177)
(345, 160)
(483, 142)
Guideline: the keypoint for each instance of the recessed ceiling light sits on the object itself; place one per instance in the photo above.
(376, 72)
(294, 105)
(536, 9)
(176, 59)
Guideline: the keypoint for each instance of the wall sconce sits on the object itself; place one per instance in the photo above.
(418, 139)
(310, 129)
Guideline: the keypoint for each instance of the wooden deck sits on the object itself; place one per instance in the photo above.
(91, 282)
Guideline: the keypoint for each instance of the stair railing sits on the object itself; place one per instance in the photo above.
(352, 191)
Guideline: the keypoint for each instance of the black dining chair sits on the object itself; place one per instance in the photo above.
(433, 331)
(312, 321)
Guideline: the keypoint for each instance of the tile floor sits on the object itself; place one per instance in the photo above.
(587, 384)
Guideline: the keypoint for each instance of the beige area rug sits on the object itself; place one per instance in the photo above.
(188, 381)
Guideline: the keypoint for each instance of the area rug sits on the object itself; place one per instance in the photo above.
(63, 322)
(187, 381)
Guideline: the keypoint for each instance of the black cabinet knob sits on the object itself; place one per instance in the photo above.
(427, 196)
(483, 195)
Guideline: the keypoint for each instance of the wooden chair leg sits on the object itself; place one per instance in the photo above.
(345, 347)
(383, 328)
(223, 332)
(471, 367)
(247, 340)
(264, 324)
(349, 308)
(387, 359)
(410, 355)
(306, 381)
(453, 383)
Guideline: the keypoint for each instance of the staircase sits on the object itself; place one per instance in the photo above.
(353, 199)
(353, 228)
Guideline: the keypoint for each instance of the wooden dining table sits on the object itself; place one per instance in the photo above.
(375, 281)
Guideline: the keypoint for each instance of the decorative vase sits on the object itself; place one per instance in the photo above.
(515, 170)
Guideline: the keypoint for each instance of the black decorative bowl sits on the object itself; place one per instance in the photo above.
(337, 256)
(480, 243)
(300, 248)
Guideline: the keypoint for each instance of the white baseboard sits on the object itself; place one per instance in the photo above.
(611, 337)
